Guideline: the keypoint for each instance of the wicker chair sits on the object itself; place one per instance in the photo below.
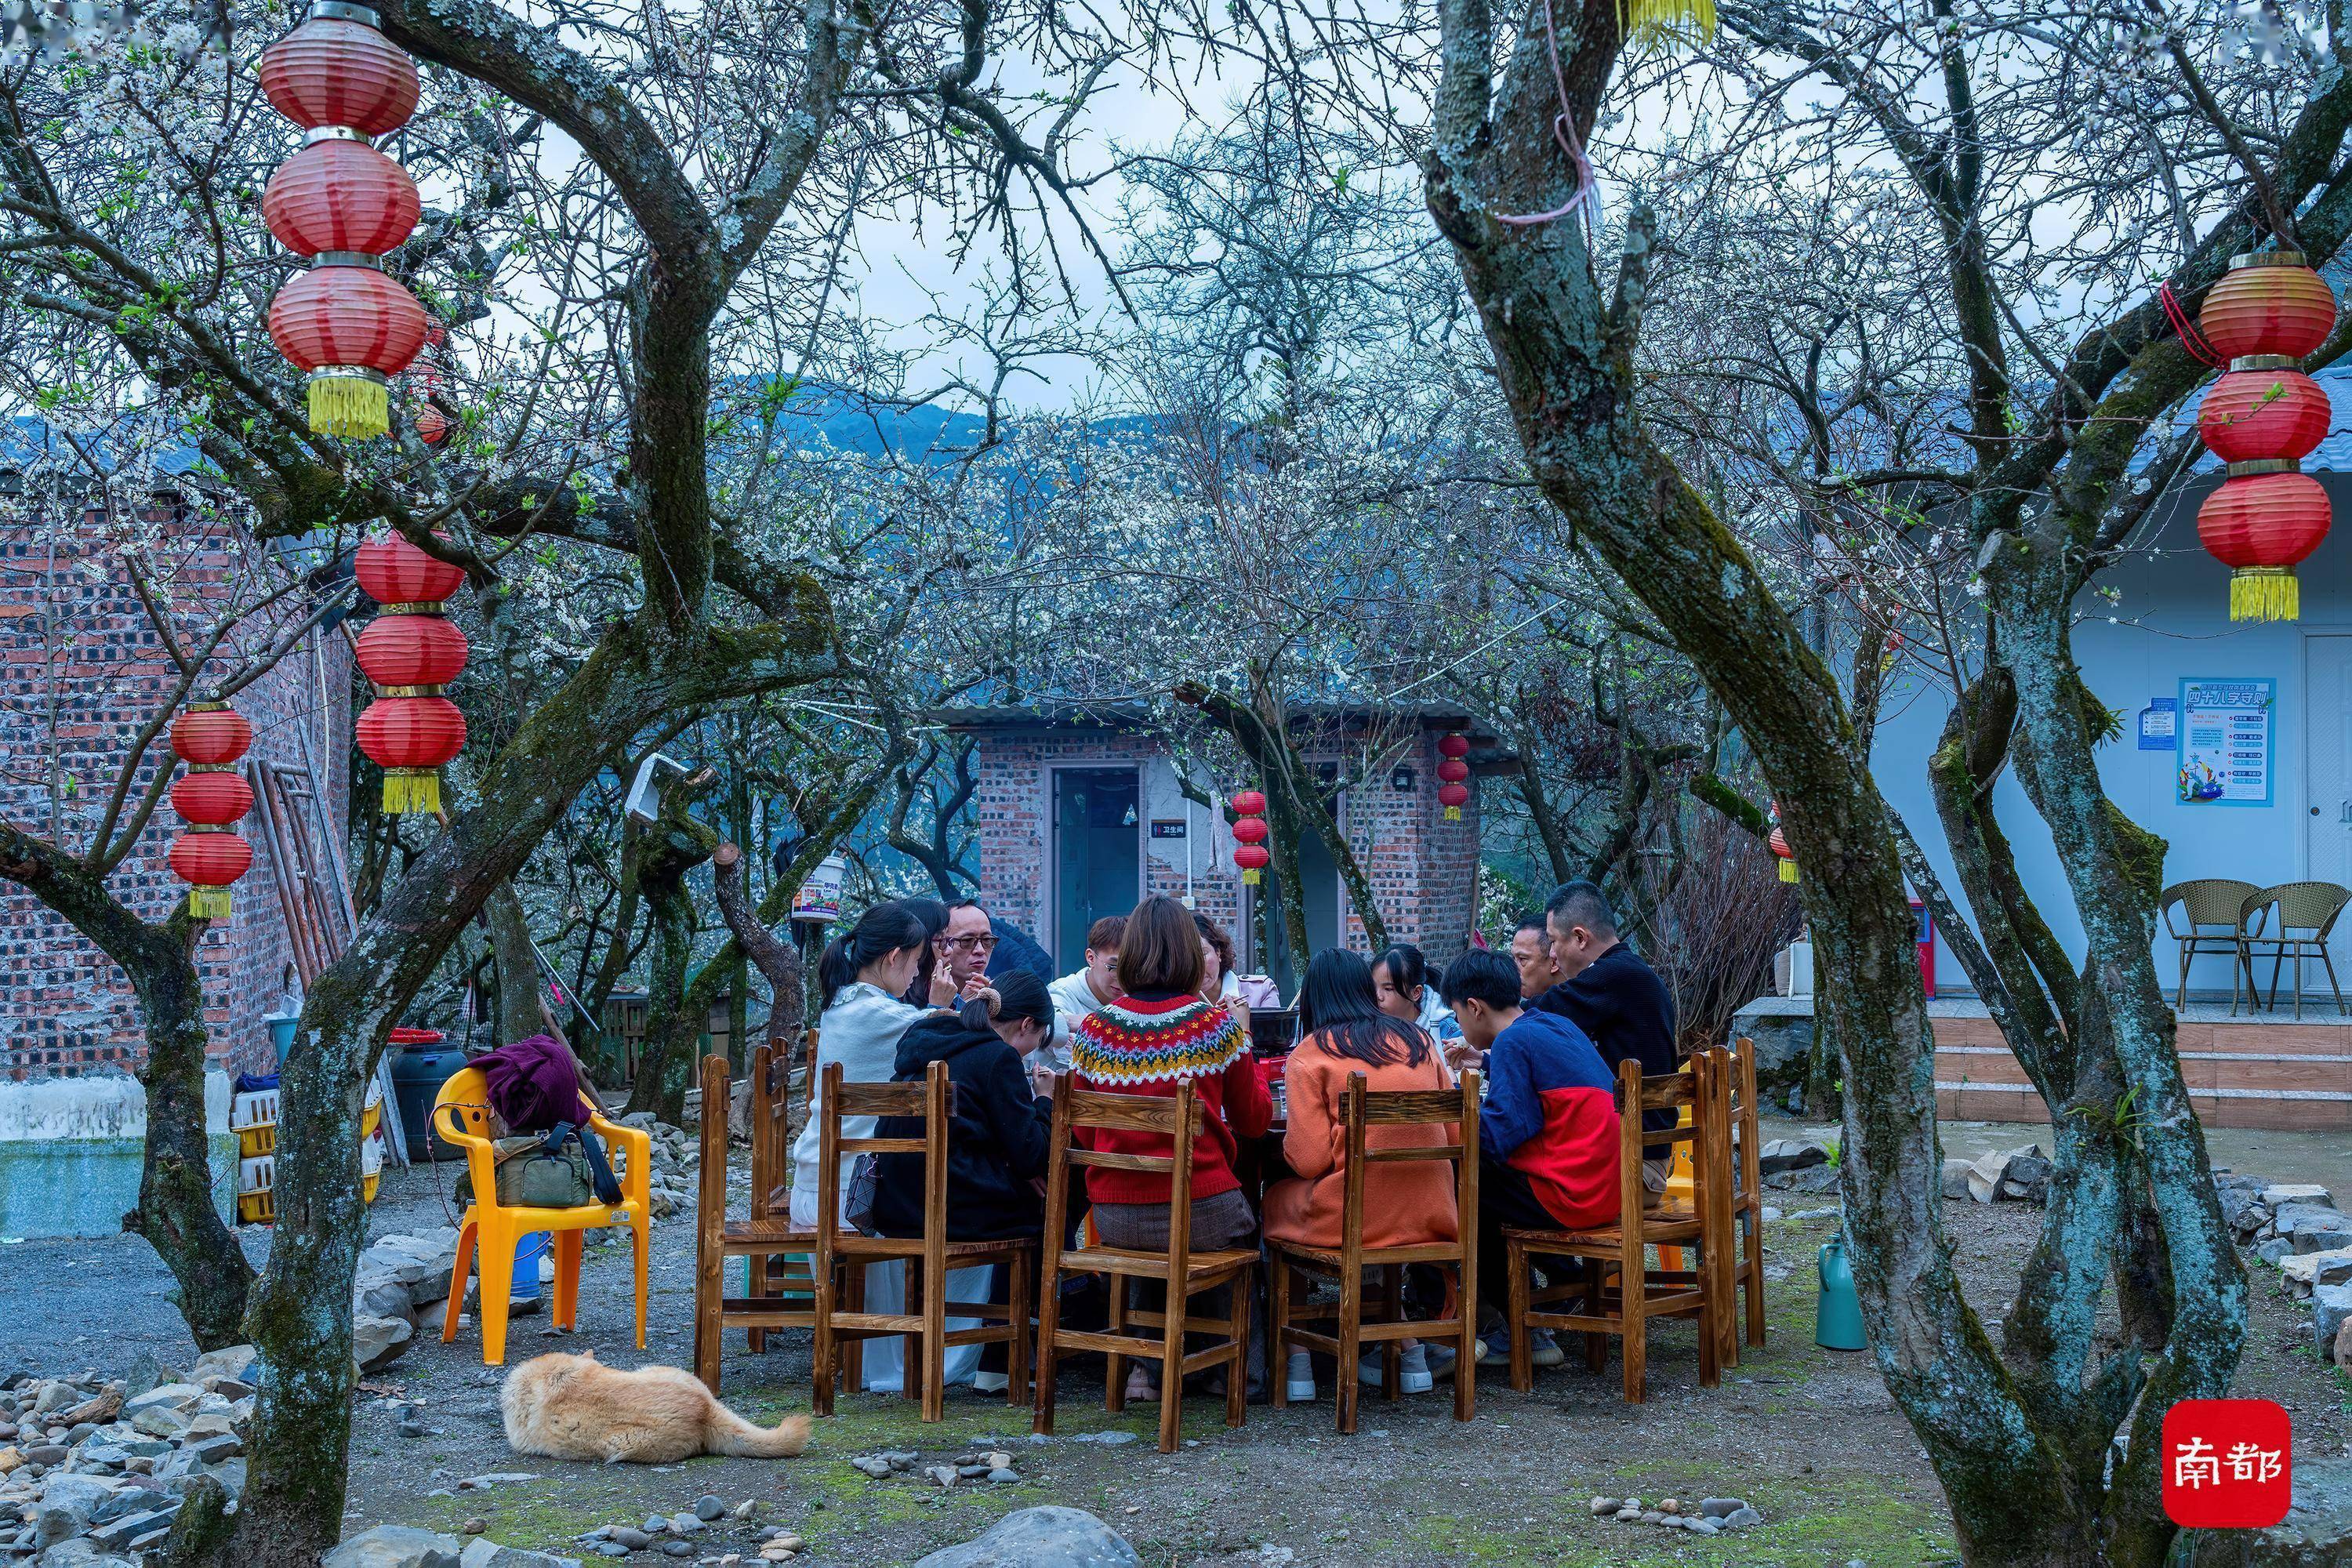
(2209, 902)
(2306, 913)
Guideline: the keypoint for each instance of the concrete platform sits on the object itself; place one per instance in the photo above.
(2250, 1070)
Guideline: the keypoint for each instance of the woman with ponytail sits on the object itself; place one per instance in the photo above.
(860, 977)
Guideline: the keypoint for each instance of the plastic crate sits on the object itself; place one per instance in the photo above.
(260, 1139)
(257, 1208)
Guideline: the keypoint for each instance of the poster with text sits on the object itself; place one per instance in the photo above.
(2226, 741)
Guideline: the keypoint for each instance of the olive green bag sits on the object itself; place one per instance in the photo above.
(559, 1170)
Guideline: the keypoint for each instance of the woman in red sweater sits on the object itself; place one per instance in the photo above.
(1163, 1032)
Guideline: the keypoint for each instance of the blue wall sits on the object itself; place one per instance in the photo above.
(2172, 622)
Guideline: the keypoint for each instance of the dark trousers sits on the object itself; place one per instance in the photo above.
(1505, 1198)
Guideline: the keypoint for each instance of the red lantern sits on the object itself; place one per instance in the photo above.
(410, 738)
(1454, 797)
(432, 426)
(1252, 859)
(2264, 519)
(336, 68)
(2253, 414)
(211, 796)
(412, 650)
(2271, 303)
(392, 571)
(1250, 830)
(209, 859)
(210, 732)
(1779, 844)
(1454, 745)
(1248, 802)
(351, 328)
(339, 194)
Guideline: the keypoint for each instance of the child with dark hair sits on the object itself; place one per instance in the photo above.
(1548, 1134)
(1407, 1204)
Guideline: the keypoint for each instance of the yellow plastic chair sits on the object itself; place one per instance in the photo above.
(461, 1114)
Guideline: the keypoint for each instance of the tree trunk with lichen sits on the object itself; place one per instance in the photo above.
(677, 1014)
(300, 1318)
(177, 1215)
(517, 962)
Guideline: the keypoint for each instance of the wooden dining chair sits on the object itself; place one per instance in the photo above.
(1456, 1109)
(1743, 1184)
(842, 1256)
(1639, 1292)
(780, 1291)
(1185, 1272)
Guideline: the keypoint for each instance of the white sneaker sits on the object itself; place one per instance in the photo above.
(1413, 1369)
(1298, 1380)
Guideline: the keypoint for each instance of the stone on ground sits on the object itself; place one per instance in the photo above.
(1789, 1154)
(2331, 1309)
(1985, 1176)
(379, 1341)
(1039, 1538)
(482, 1552)
(2309, 1269)
(1956, 1178)
(2315, 1533)
(395, 1546)
(2344, 1346)
(233, 1361)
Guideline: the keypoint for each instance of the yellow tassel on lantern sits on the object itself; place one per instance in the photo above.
(208, 903)
(408, 791)
(2264, 593)
(349, 405)
(1250, 877)
(1654, 21)
(1453, 813)
(1788, 870)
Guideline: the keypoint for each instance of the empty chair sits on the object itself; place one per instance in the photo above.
(2214, 909)
(2303, 917)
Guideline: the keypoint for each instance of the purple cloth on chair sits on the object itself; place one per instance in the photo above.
(533, 1085)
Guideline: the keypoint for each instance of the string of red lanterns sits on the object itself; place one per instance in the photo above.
(1453, 793)
(1249, 834)
(345, 324)
(412, 652)
(1779, 844)
(211, 797)
(2263, 418)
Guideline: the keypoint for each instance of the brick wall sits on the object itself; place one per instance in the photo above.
(1422, 867)
(82, 670)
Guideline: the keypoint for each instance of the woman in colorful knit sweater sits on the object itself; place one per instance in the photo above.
(1161, 1034)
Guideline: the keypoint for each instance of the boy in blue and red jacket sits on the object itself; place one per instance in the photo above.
(1548, 1133)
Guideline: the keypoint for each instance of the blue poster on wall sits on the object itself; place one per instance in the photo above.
(2226, 741)
(2159, 724)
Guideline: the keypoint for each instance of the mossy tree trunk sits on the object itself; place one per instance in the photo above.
(176, 1212)
(675, 1013)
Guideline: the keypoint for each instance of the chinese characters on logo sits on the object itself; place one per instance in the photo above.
(2227, 1464)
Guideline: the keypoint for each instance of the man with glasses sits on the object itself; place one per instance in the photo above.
(961, 951)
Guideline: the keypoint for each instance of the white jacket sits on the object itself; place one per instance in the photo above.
(861, 1032)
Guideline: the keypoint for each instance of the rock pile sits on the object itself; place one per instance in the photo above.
(993, 1466)
(106, 1464)
(1708, 1516)
(1796, 1164)
(402, 1286)
(2298, 1230)
(402, 1546)
(683, 1534)
(676, 1159)
(2006, 1175)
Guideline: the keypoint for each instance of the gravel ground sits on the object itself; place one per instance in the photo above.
(1808, 1436)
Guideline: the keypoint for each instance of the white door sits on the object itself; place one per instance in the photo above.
(2328, 779)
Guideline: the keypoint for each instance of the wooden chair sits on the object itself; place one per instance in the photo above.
(2305, 915)
(785, 1299)
(1743, 1182)
(2206, 903)
(489, 1230)
(1457, 1109)
(842, 1256)
(1187, 1273)
(1640, 1292)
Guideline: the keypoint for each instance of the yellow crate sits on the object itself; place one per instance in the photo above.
(370, 1120)
(257, 1208)
(368, 1185)
(258, 1140)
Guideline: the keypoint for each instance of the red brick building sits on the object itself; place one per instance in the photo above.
(82, 668)
(1077, 814)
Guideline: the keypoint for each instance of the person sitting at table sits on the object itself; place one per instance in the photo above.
(1400, 979)
(1161, 1034)
(1547, 1135)
(998, 1136)
(1409, 1204)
